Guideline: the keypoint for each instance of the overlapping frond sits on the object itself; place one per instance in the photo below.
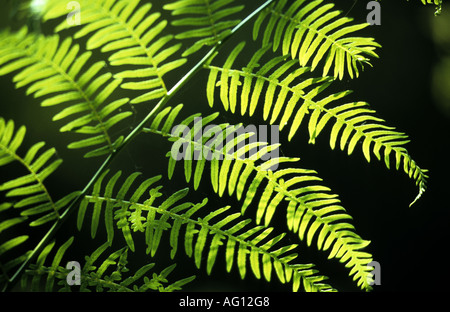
(243, 167)
(133, 36)
(202, 236)
(109, 275)
(29, 191)
(312, 32)
(54, 69)
(291, 96)
(207, 21)
(26, 193)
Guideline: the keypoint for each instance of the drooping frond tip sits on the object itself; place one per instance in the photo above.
(422, 183)
(292, 97)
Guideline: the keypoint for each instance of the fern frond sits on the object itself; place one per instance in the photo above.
(27, 193)
(133, 36)
(311, 32)
(31, 193)
(209, 21)
(55, 69)
(201, 235)
(107, 275)
(312, 210)
(291, 97)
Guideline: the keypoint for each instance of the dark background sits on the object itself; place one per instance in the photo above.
(408, 86)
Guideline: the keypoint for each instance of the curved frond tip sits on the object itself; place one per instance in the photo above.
(290, 96)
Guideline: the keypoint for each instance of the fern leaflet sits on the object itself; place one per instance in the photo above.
(9, 244)
(310, 32)
(438, 4)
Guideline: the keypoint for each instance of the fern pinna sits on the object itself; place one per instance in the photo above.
(298, 50)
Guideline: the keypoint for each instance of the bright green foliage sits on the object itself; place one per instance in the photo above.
(207, 18)
(55, 70)
(311, 209)
(248, 247)
(294, 39)
(27, 193)
(109, 274)
(291, 97)
(310, 32)
(132, 33)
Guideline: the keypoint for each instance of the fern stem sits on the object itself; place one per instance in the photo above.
(252, 15)
(64, 216)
